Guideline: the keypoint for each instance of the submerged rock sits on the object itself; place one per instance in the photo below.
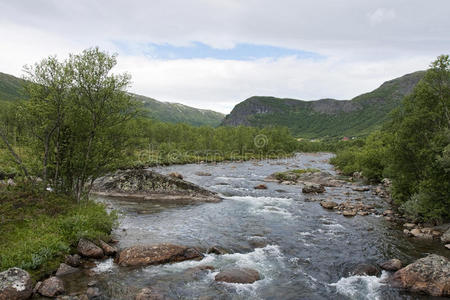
(392, 265)
(149, 294)
(156, 254)
(238, 275)
(313, 188)
(366, 269)
(328, 204)
(260, 187)
(15, 284)
(51, 287)
(89, 249)
(429, 275)
(65, 269)
(200, 173)
(147, 185)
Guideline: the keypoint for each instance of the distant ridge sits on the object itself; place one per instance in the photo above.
(325, 117)
(11, 89)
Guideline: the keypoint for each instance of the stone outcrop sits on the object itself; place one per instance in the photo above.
(313, 188)
(89, 249)
(156, 254)
(238, 275)
(429, 275)
(147, 185)
(15, 284)
(51, 287)
(392, 265)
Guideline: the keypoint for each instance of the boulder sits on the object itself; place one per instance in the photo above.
(409, 225)
(423, 233)
(51, 287)
(216, 250)
(328, 204)
(108, 249)
(93, 292)
(156, 254)
(73, 260)
(313, 188)
(392, 265)
(349, 213)
(447, 246)
(176, 175)
(366, 269)
(15, 284)
(261, 187)
(238, 275)
(147, 185)
(65, 269)
(360, 188)
(429, 275)
(89, 249)
(445, 238)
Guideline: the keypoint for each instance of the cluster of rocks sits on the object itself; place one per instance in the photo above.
(348, 208)
(147, 185)
(429, 275)
(428, 233)
(291, 177)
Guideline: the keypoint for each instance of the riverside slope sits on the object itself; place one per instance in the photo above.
(325, 117)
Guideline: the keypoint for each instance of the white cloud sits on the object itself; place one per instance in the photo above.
(363, 43)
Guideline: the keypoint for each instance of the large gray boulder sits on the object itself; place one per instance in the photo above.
(429, 275)
(148, 185)
(15, 284)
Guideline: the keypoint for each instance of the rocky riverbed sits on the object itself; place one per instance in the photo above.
(318, 236)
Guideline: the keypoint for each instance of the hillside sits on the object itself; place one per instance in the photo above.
(11, 89)
(179, 113)
(325, 117)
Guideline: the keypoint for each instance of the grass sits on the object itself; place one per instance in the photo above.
(37, 229)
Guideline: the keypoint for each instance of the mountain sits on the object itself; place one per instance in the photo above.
(179, 113)
(11, 89)
(325, 117)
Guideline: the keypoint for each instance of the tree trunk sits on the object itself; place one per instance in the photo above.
(14, 154)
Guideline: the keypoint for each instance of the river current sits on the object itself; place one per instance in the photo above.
(301, 250)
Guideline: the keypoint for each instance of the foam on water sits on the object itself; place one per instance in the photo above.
(104, 266)
(360, 287)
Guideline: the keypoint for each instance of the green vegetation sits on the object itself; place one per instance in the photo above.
(326, 117)
(413, 149)
(293, 175)
(37, 228)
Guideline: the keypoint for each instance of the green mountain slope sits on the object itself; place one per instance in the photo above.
(179, 113)
(11, 89)
(325, 117)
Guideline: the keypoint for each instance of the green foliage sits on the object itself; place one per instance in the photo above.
(38, 228)
(413, 149)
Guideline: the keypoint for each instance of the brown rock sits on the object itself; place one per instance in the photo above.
(156, 254)
(366, 269)
(202, 173)
(176, 175)
(65, 269)
(108, 249)
(409, 225)
(388, 212)
(392, 265)
(313, 188)
(328, 204)
(238, 275)
(429, 275)
(261, 187)
(361, 188)
(73, 260)
(51, 287)
(89, 249)
(15, 284)
(349, 213)
(216, 250)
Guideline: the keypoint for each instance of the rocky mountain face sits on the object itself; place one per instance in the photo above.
(325, 117)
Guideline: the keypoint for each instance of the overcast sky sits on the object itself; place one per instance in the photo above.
(214, 54)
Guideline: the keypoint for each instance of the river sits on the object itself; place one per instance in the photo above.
(301, 250)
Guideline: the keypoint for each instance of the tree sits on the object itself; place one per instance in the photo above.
(76, 113)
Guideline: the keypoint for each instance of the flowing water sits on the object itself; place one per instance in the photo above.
(301, 250)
